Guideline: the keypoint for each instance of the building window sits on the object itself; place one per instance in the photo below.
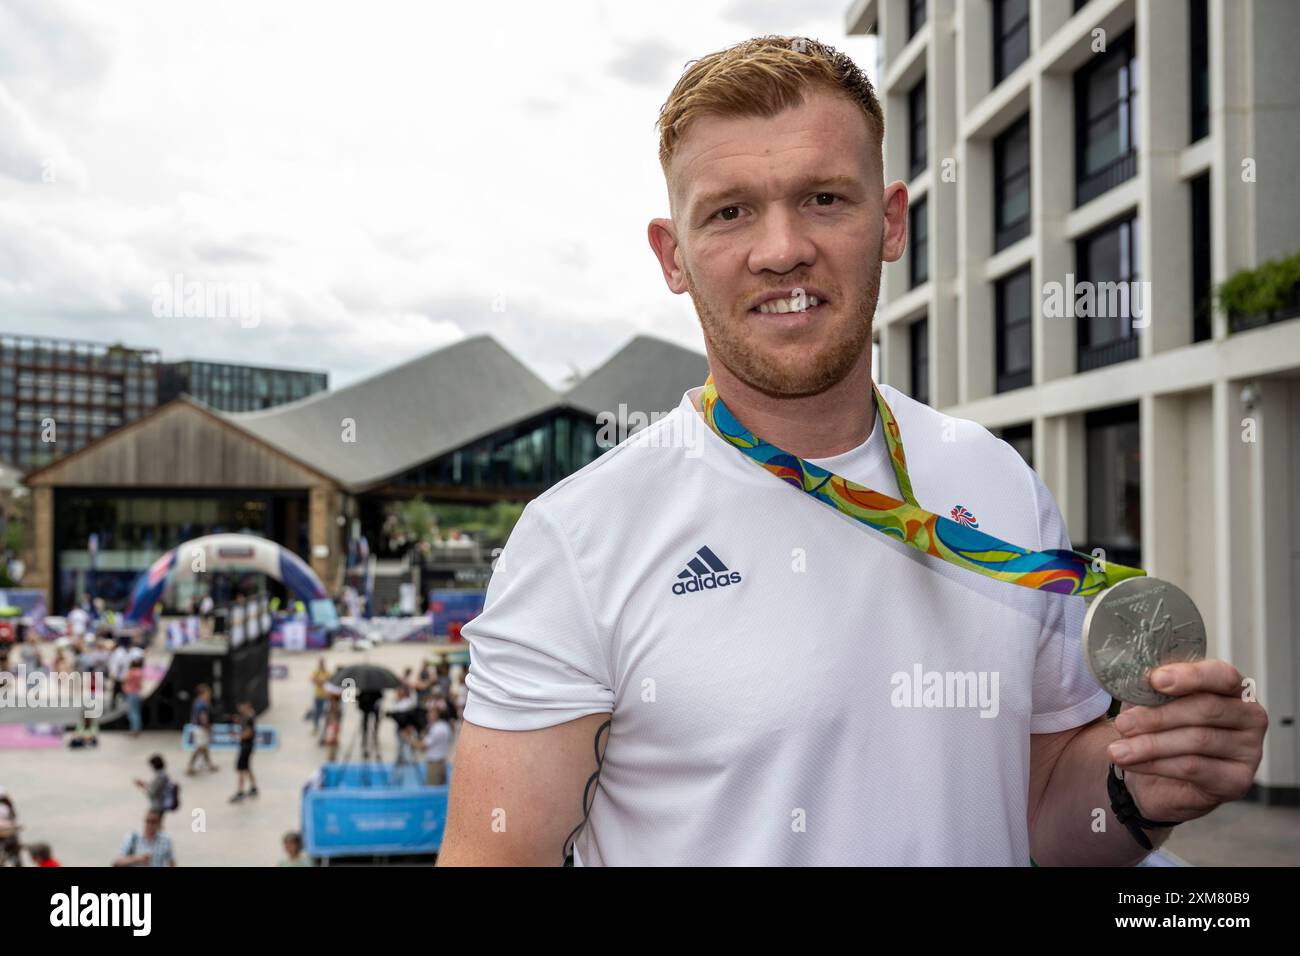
(917, 158)
(1202, 305)
(1106, 121)
(1108, 297)
(1115, 483)
(1014, 304)
(920, 354)
(919, 231)
(915, 17)
(1199, 16)
(1011, 184)
(1021, 438)
(1010, 37)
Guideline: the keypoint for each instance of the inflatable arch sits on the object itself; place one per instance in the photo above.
(229, 552)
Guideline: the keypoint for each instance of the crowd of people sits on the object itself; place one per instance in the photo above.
(424, 708)
(112, 666)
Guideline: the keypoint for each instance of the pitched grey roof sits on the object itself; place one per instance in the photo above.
(406, 415)
(648, 375)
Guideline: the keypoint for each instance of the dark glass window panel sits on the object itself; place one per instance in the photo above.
(1106, 128)
(918, 228)
(915, 16)
(1011, 184)
(1108, 256)
(1115, 483)
(1010, 37)
(916, 110)
(1201, 259)
(1014, 330)
(920, 354)
(1199, 19)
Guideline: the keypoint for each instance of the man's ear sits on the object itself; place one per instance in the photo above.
(662, 234)
(895, 233)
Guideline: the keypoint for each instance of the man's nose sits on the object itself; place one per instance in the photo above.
(782, 243)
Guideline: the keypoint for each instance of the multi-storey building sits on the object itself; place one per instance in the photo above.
(1084, 177)
(57, 395)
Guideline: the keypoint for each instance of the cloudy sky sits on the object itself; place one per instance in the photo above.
(385, 177)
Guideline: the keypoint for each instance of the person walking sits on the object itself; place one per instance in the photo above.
(133, 687)
(247, 741)
(201, 731)
(156, 789)
(319, 678)
(119, 661)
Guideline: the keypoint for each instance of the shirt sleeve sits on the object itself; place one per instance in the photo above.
(536, 656)
(1066, 695)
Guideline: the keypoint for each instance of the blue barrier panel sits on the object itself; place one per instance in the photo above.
(225, 737)
(372, 810)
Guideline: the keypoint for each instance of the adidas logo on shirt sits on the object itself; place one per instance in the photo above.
(704, 572)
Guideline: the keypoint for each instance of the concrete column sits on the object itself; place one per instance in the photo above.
(1235, 529)
(1164, 211)
(974, 55)
(1164, 487)
(894, 356)
(975, 306)
(1051, 141)
(1046, 17)
(1274, 642)
(1060, 454)
(941, 85)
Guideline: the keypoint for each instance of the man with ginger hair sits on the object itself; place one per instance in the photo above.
(684, 660)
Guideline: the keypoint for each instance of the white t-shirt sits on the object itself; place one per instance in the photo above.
(77, 621)
(786, 717)
(118, 662)
(437, 740)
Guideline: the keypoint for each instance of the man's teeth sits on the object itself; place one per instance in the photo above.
(792, 304)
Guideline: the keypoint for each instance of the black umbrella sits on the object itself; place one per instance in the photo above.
(366, 677)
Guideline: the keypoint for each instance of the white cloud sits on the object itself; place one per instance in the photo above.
(384, 173)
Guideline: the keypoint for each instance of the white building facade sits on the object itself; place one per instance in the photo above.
(1083, 175)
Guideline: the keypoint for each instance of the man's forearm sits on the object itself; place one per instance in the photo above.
(1075, 825)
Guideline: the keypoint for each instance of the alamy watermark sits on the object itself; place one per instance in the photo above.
(1097, 300)
(22, 697)
(651, 430)
(946, 689)
(183, 298)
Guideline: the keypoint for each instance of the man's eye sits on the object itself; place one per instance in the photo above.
(828, 197)
(727, 213)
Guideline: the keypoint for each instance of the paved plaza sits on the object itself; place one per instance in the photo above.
(83, 802)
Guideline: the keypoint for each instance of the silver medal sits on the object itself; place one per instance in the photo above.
(1136, 626)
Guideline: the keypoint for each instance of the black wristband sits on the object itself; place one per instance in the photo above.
(1126, 812)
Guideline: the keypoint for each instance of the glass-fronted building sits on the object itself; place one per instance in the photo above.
(238, 388)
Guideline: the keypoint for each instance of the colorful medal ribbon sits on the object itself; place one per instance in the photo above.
(1057, 570)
